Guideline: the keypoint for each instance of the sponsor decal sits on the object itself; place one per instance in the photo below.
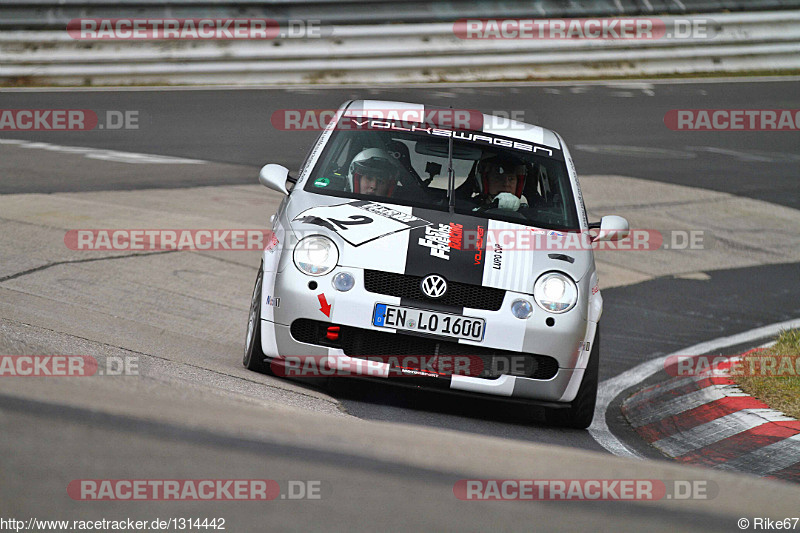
(272, 244)
(442, 239)
(271, 300)
(585, 346)
(573, 174)
(456, 235)
(479, 244)
(497, 260)
(322, 182)
(480, 138)
(409, 371)
(311, 160)
(360, 222)
(447, 247)
(324, 306)
(506, 267)
(387, 212)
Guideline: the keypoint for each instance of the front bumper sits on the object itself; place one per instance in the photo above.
(302, 297)
(510, 386)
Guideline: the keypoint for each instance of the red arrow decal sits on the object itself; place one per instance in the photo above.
(325, 307)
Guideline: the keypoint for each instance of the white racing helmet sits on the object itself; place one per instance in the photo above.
(373, 162)
(503, 165)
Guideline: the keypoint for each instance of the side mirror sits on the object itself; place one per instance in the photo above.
(274, 177)
(612, 228)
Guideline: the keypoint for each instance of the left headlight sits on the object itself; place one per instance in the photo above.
(555, 292)
(316, 255)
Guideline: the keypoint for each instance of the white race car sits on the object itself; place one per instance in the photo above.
(448, 256)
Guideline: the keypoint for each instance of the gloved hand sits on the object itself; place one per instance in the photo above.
(506, 200)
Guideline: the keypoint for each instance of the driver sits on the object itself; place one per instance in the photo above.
(501, 179)
(372, 171)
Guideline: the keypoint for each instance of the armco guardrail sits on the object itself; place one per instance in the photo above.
(400, 53)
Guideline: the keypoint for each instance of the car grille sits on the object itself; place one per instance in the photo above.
(458, 294)
(357, 342)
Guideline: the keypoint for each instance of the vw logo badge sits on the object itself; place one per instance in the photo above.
(433, 286)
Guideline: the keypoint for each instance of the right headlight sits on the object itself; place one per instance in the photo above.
(555, 292)
(316, 255)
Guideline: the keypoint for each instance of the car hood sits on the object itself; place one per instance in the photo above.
(415, 241)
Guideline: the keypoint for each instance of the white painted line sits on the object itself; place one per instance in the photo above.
(717, 430)
(611, 388)
(766, 460)
(686, 402)
(105, 155)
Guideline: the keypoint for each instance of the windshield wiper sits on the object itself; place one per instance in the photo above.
(451, 178)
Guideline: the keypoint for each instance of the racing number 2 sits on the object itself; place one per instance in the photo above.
(355, 220)
(332, 223)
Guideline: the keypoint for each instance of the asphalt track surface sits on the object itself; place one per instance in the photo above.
(613, 128)
(662, 314)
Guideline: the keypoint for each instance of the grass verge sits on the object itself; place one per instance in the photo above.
(773, 375)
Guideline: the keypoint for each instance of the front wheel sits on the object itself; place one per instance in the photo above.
(254, 358)
(581, 411)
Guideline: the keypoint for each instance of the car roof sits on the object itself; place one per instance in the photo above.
(494, 125)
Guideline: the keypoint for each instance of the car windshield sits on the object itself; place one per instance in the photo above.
(495, 177)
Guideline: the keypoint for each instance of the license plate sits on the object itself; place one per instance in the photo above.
(433, 322)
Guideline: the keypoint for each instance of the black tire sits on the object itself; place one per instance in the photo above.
(581, 411)
(254, 358)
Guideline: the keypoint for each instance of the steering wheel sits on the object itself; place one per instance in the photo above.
(487, 207)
